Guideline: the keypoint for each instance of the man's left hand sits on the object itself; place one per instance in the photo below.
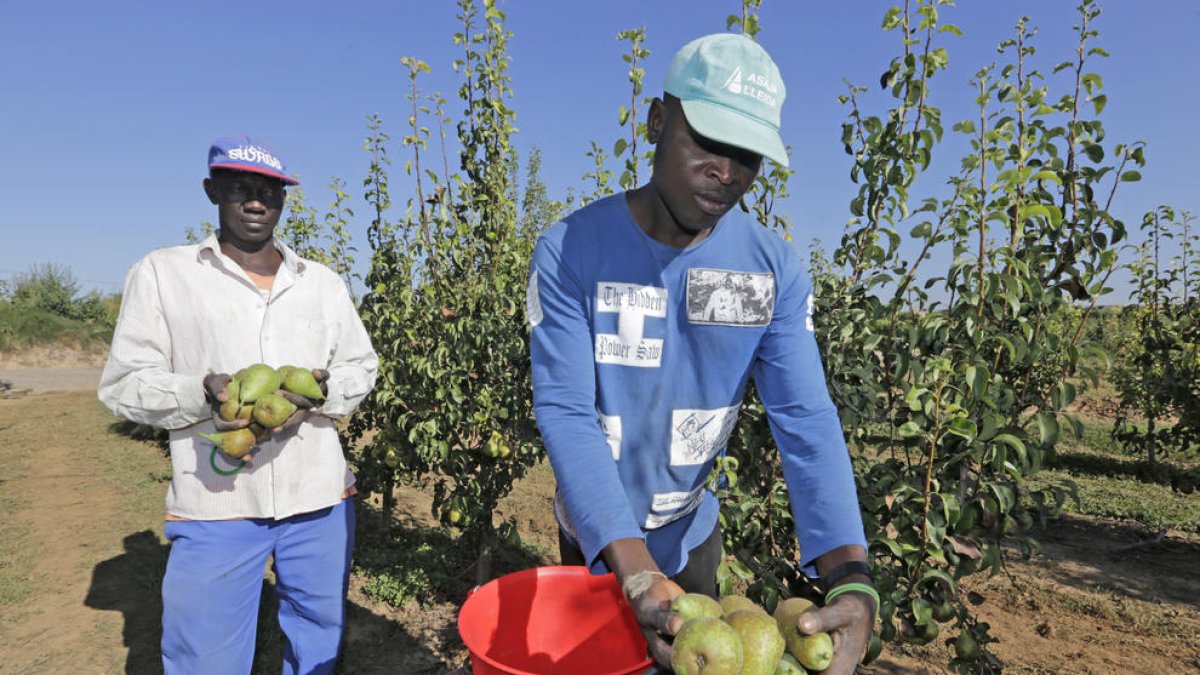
(849, 621)
(305, 408)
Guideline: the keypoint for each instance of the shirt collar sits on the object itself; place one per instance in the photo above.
(293, 263)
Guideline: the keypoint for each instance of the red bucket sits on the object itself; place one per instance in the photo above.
(552, 621)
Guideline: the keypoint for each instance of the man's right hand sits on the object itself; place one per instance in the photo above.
(649, 593)
(652, 608)
(214, 391)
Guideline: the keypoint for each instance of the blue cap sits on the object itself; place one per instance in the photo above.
(240, 153)
(731, 92)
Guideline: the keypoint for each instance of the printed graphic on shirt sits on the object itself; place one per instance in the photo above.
(808, 323)
(611, 425)
(533, 304)
(698, 435)
(730, 298)
(632, 304)
(671, 506)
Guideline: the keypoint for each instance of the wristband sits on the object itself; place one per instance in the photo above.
(853, 587)
(844, 570)
(637, 584)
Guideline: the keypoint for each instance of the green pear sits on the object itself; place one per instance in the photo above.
(814, 652)
(762, 643)
(272, 410)
(965, 647)
(259, 380)
(229, 410)
(692, 605)
(788, 665)
(707, 646)
(301, 381)
(284, 370)
(233, 390)
(732, 603)
(787, 610)
(234, 443)
(246, 412)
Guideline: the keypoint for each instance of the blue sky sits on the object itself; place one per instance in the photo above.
(108, 107)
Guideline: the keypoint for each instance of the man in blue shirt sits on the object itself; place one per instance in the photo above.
(649, 312)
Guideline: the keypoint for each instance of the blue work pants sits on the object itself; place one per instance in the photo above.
(214, 580)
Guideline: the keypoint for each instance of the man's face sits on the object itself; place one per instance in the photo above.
(248, 204)
(698, 179)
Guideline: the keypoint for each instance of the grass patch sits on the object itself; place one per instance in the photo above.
(1127, 498)
(16, 555)
(427, 563)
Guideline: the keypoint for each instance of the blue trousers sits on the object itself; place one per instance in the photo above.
(214, 579)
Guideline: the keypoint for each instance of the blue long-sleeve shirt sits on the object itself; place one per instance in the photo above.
(641, 354)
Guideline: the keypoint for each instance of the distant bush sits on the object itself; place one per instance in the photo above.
(53, 289)
(44, 305)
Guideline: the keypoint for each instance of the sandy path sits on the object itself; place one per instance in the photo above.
(51, 379)
(77, 509)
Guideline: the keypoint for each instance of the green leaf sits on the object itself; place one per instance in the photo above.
(1046, 175)
(1131, 176)
(619, 147)
(963, 427)
(1048, 428)
(1013, 442)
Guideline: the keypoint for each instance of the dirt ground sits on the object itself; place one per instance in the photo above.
(82, 555)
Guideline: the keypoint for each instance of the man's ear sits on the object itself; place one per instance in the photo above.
(211, 190)
(655, 119)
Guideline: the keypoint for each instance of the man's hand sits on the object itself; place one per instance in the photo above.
(306, 407)
(650, 595)
(214, 391)
(849, 621)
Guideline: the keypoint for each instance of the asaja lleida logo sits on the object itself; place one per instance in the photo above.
(753, 85)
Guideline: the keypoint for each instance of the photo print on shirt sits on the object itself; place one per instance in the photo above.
(729, 297)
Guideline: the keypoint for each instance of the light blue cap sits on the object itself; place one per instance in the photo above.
(731, 92)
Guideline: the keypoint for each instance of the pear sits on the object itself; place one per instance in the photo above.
(246, 412)
(284, 370)
(732, 603)
(707, 646)
(233, 389)
(272, 410)
(787, 610)
(788, 665)
(234, 443)
(258, 381)
(229, 410)
(814, 652)
(761, 641)
(691, 605)
(301, 381)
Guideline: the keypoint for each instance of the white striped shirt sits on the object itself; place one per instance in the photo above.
(188, 311)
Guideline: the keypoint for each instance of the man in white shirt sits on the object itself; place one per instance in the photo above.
(190, 316)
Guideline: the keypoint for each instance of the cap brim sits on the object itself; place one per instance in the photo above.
(287, 180)
(724, 125)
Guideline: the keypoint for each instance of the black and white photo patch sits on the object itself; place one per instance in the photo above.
(730, 298)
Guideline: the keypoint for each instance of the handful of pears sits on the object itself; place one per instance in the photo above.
(251, 396)
(736, 636)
